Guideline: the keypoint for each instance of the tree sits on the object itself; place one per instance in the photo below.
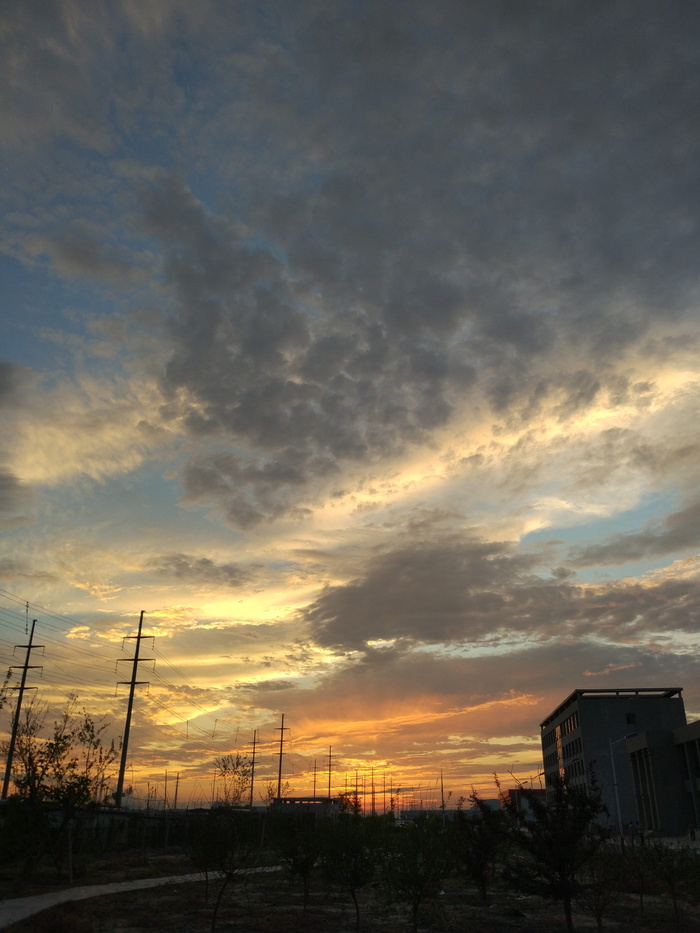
(676, 868)
(350, 856)
(234, 774)
(560, 836)
(600, 882)
(638, 863)
(73, 765)
(226, 842)
(417, 861)
(349, 803)
(269, 795)
(478, 839)
(298, 843)
(4, 691)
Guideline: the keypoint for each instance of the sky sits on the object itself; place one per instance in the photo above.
(355, 343)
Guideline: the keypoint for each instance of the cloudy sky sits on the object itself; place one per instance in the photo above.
(357, 344)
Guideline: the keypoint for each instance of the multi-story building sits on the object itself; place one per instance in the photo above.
(590, 737)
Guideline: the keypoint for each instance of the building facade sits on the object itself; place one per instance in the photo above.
(666, 774)
(592, 737)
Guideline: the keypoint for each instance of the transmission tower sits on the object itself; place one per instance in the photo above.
(133, 683)
(15, 723)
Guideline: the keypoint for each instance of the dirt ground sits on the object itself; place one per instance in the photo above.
(273, 904)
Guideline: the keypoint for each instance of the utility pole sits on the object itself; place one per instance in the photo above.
(330, 758)
(442, 797)
(281, 730)
(15, 723)
(133, 683)
(252, 767)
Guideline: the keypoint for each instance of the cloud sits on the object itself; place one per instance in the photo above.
(91, 425)
(14, 570)
(469, 592)
(13, 493)
(403, 232)
(675, 533)
(419, 709)
(248, 365)
(201, 570)
(404, 293)
(84, 250)
(438, 592)
(374, 306)
(12, 377)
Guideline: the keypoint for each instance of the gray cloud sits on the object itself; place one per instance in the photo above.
(13, 493)
(266, 686)
(9, 377)
(202, 570)
(12, 569)
(401, 225)
(466, 215)
(13, 379)
(84, 250)
(443, 592)
(250, 368)
(676, 533)
(461, 591)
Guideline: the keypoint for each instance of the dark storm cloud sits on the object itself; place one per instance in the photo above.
(455, 592)
(674, 534)
(202, 570)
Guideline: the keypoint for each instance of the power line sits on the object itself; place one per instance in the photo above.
(78, 665)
